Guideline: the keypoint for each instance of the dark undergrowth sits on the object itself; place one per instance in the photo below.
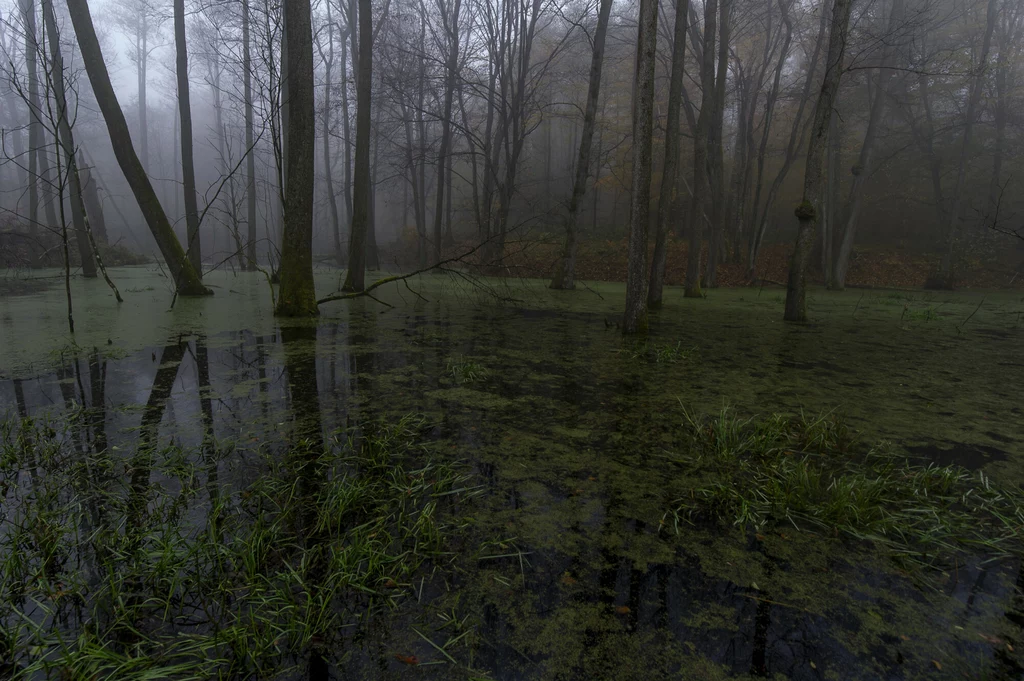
(809, 474)
(141, 565)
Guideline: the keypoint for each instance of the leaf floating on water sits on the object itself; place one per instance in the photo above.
(622, 609)
(407, 659)
(937, 665)
(813, 666)
(567, 579)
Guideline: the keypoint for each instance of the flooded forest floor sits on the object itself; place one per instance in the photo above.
(487, 482)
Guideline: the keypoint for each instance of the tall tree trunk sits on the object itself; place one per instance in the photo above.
(35, 126)
(863, 169)
(670, 173)
(372, 255)
(796, 133)
(297, 297)
(451, 28)
(346, 130)
(141, 72)
(830, 209)
(702, 186)
(565, 273)
(809, 210)
(188, 170)
(944, 277)
(186, 279)
(635, 318)
(332, 200)
(356, 276)
(716, 153)
(66, 141)
(250, 160)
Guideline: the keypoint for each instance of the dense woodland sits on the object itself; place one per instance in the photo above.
(411, 136)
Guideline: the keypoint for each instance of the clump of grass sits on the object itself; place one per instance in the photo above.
(106, 573)
(807, 473)
(661, 353)
(464, 370)
(926, 314)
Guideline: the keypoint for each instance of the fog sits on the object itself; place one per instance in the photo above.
(923, 148)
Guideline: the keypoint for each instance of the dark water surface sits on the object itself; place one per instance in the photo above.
(558, 562)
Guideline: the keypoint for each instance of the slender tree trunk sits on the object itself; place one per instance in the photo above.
(863, 169)
(372, 255)
(66, 142)
(35, 126)
(346, 128)
(702, 186)
(332, 200)
(297, 297)
(716, 154)
(635, 319)
(141, 72)
(796, 133)
(451, 28)
(809, 210)
(356, 276)
(186, 279)
(565, 274)
(944, 277)
(188, 170)
(670, 173)
(250, 161)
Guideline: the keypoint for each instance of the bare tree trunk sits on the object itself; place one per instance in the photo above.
(760, 225)
(863, 169)
(944, 277)
(451, 29)
(141, 72)
(66, 141)
(565, 274)
(297, 297)
(701, 164)
(372, 255)
(186, 279)
(670, 173)
(250, 161)
(356, 276)
(35, 126)
(346, 130)
(635, 318)
(188, 170)
(332, 200)
(716, 152)
(830, 208)
(809, 210)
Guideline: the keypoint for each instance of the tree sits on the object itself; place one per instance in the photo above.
(670, 171)
(702, 185)
(188, 171)
(635, 319)
(141, 20)
(944, 277)
(186, 279)
(297, 297)
(809, 210)
(450, 24)
(250, 153)
(66, 142)
(355, 278)
(565, 273)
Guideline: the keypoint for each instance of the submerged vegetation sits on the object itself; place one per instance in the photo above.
(209, 495)
(807, 474)
(106, 572)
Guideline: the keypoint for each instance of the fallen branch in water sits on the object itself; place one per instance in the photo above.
(439, 266)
